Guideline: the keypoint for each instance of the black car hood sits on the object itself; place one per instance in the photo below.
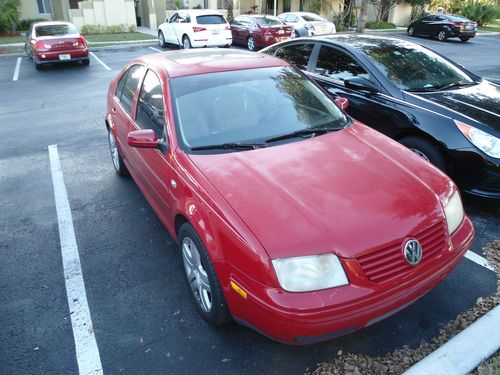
(480, 102)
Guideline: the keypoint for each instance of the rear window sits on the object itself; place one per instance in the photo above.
(268, 21)
(210, 20)
(312, 17)
(53, 30)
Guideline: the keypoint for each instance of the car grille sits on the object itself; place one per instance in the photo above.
(387, 263)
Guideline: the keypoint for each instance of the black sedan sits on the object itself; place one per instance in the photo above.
(432, 105)
(444, 26)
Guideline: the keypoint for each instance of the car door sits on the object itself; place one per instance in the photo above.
(436, 26)
(122, 112)
(155, 170)
(235, 30)
(331, 66)
(425, 26)
(170, 32)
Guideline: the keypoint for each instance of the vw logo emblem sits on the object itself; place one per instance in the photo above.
(413, 252)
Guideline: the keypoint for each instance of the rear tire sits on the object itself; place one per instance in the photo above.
(411, 31)
(251, 43)
(120, 168)
(186, 42)
(202, 278)
(464, 38)
(442, 35)
(161, 40)
(86, 62)
(425, 149)
(38, 66)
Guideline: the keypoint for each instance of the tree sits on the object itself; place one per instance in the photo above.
(363, 16)
(9, 15)
(230, 16)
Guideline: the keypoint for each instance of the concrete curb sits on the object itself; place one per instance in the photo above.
(464, 352)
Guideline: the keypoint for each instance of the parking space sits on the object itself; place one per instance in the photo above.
(143, 318)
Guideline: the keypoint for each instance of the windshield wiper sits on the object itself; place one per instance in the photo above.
(301, 133)
(422, 89)
(230, 146)
(455, 84)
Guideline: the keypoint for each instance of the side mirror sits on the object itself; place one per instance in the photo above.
(143, 139)
(343, 103)
(360, 83)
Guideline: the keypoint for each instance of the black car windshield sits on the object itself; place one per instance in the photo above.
(55, 30)
(414, 68)
(268, 21)
(249, 107)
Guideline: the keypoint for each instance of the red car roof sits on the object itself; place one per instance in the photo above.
(209, 60)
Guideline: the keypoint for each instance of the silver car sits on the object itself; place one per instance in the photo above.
(307, 24)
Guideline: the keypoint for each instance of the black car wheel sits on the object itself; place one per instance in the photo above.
(425, 149)
(27, 51)
(120, 168)
(411, 31)
(161, 40)
(186, 43)
(251, 43)
(86, 62)
(202, 278)
(38, 66)
(464, 38)
(442, 35)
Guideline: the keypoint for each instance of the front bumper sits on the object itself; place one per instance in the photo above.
(49, 57)
(304, 318)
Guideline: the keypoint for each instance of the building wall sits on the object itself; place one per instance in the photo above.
(103, 12)
(29, 10)
(400, 15)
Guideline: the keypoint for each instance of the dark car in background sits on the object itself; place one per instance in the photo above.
(444, 26)
(430, 104)
(256, 31)
(55, 42)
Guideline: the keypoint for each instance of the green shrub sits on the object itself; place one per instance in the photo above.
(480, 12)
(132, 28)
(9, 15)
(24, 24)
(379, 25)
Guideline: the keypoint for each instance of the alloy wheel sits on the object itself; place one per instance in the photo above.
(442, 35)
(114, 151)
(251, 43)
(196, 274)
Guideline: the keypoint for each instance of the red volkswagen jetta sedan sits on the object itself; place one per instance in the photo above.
(55, 42)
(291, 217)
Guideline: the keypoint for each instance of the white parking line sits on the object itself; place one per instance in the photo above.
(478, 259)
(87, 353)
(100, 61)
(156, 49)
(16, 71)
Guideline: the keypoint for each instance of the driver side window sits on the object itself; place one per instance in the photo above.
(150, 111)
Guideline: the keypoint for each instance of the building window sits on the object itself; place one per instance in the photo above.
(44, 6)
(222, 4)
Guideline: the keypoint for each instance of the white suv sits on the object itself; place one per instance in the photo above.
(195, 28)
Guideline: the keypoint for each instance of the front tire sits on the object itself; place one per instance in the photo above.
(251, 43)
(442, 36)
(425, 149)
(186, 42)
(27, 51)
(411, 31)
(464, 38)
(120, 168)
(202, 278)
(161, 40)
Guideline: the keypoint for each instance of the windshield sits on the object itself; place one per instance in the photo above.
(268, 21)
(53, 30)
(312, 17)
(249, 107)
(412, 67)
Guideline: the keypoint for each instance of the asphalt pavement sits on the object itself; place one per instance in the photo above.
(143, 318)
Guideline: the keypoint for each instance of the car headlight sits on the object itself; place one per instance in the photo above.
(487, 143)
(454, 212)
(308, 273)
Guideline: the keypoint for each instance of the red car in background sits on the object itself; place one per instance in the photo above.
(291, 217)
(258, 31)
(55, 42)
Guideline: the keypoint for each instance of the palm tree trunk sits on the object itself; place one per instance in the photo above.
(360, 28)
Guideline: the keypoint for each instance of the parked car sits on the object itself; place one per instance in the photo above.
(257, 31)
(307, 24)
(432, 105)
(444, 26)
(290, 217)
(195, 28)
(55, 42)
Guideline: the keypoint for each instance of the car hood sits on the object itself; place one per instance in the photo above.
(343, 192)
(480, 103)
